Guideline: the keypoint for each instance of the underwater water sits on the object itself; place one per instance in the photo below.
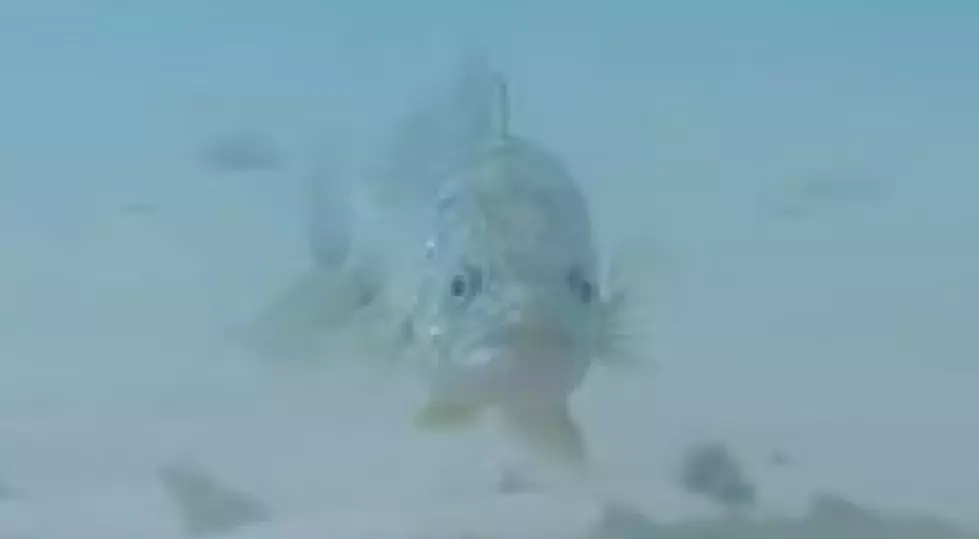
(799, 179)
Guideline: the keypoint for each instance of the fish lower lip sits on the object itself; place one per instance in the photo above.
(530, 328)
(538, 336)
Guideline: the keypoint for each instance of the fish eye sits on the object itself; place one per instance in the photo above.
(467, 283)
(458, 286)
(581, 286)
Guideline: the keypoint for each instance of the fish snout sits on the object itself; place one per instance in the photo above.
(541, 322)
(540, 353)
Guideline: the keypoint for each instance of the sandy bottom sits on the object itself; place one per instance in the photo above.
(122, 367)
(114, 363)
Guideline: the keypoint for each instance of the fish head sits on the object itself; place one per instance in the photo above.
(513, 301)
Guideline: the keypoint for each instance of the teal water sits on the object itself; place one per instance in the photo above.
(804, 174)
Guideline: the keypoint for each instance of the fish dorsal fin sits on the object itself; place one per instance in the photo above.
(500, 112)
(485, 88)
(446, 130)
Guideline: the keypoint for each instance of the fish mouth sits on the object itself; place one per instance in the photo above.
(529, 362)
(533, 336)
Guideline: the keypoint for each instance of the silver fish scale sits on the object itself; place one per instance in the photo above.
(518, 210)
(517, 218)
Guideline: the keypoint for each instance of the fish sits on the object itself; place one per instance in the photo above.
(472, 259)
(508, 316)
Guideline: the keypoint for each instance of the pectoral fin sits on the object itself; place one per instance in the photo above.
(625, 312)
(294, 324)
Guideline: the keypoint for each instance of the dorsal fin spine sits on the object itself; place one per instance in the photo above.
(501, 107)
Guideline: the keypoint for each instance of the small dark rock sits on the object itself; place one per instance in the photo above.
(206, 506)
(621, 522)
(735, 492)
(779, 459)
(832, 508)
(242, 153)
(710, 470)
(513, 482)
(813, 196)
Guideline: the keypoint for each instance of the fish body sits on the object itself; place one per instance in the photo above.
(509, 313)
(471, 256)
